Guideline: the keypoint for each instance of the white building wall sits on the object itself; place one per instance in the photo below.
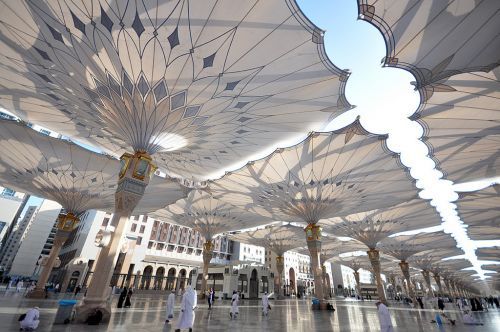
(35, 237)
(9, 205)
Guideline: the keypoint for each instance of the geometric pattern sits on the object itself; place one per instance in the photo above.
(461, 120)
(436, 39)
(208, 216)
(326, 175)
(64, 172)
(480, 211)
(200, 84)
(371, 227)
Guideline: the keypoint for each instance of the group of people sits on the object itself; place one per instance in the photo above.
(124, 299)
(189, 303)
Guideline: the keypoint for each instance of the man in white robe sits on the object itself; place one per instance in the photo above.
(188, 304)
(31, 321)
(265, 304)
(384, 317)
(235, 299)
(20, 285)
(170, 307)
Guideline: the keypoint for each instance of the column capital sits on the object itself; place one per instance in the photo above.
(313, 232)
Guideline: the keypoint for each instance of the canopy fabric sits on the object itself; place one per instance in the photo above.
(332, 248)
(203, 84)
(209, 216)
(326, 175)
(278, 238)
(436, 39)
(488, 254)
(425, 260)
(373, 226)
(461, 119)
(64, 172)
(404, 246)
(480, 211)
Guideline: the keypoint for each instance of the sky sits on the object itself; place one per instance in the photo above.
(384, 100)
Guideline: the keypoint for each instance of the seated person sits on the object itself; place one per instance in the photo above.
(469, 319)
(31, 320)
(94, 318)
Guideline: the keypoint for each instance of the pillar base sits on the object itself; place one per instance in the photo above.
(87, 307)
(36, 293)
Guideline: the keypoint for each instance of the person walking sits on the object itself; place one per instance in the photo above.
(31, 320)
(188, 304)
(440, 304)
(122, 297)
(210, 298)
(265, 304)
(235, 299)
(170, 307)
(19, 286)
(128, 303)
(384, 317)
(420, 303)
(77, 290)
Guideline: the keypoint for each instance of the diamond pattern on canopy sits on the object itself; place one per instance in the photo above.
(435, 39)
(371, 227)
(480, 211)
(488, 254)
(62, 171)
(403, 247)
(278, 238)
(461, 119)
(326, 175)
(216, 81)
(209, 216)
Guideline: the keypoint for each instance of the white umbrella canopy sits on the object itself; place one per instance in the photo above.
(332, 247)
(373, 226)
(426, 260)
(209, 216)
(462, 125)
(200, 84)
(326, 175)
(436, 39)
(64, 172)
(278, 238)
(403, 247)
(451, 265)
(480, 211)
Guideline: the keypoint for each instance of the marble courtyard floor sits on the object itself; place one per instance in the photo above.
(147, 314)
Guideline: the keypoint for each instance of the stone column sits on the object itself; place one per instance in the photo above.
(65, 224)
(374, 257)
(437, 278)
(358, 287)
(280, 266)
(208, 249)
(447, 285)
(405, 268)
(313, 237)
(326, 286)
(133, 180)
(427, 279)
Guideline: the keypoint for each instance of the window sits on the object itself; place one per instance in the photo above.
(8, 192)
(141, 230)
(160, 246)
(45, 132)
(150, 245)
(105, 222)
(138, 241)
(133, 228)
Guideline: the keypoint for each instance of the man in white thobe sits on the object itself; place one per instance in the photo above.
(189, 302)
(265, 304)
(20, 285)
(234, 305)
(170, 307)
(384, 318)
(31, 321)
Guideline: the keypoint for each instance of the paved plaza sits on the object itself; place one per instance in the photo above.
(148, 313)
